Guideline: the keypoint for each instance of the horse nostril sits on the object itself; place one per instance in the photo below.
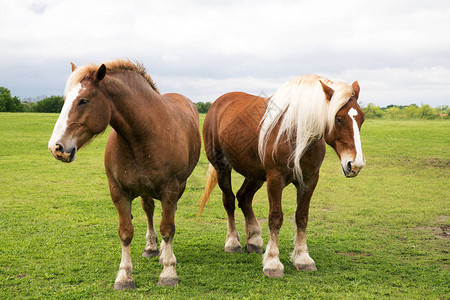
(59, 147)
(349, 165)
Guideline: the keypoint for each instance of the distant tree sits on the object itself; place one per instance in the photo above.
(202, 107)
(29, 106)
(393, 112)
(8, 103)
(412, 111)
(427, 112)
(51, 104)
(393, 105)
(373, 112)
(442, 109)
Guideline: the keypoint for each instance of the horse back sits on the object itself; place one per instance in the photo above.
(183, 111)
(183, 103)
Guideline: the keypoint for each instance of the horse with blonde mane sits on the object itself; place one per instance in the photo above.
(153, 147)
(280, 140)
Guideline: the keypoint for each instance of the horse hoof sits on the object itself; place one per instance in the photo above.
(275, 273)
(253, 249)
(150, 253)
(124, 285)
(168, 281)
(307, 267)
(237, 249)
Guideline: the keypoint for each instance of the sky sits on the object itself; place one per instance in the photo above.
(399, 51)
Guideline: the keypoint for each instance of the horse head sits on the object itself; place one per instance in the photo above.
(344, 135)
(85, 113)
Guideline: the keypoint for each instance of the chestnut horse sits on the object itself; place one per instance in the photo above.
(280, 140)
(153, 147)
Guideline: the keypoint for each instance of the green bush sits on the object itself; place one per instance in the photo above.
(51, 104)
(406, 112)
(203, 107)
(373, 112)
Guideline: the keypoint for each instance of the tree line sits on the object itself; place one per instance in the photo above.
(412, 111)
(8, 103)
(54, 104)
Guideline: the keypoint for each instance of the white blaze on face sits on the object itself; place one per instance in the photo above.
(61, 123)
(359, 160)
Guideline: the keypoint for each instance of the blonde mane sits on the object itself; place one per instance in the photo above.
(304, 112)
(118, 65)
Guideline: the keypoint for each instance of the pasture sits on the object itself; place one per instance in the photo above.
(383, 234)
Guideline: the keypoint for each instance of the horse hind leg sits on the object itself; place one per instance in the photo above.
(151, 249)
(232, 243)
(253, 240)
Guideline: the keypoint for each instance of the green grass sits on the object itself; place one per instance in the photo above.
(383, 234)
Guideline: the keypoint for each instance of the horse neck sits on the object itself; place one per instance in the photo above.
(135, 107)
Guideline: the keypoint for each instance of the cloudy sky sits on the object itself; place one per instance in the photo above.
(399, 50)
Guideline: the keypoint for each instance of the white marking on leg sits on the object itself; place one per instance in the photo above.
(169, 261)
(300, 257)
(167, 255)
(272, 265)
(359, 160)
(125, 267)
(61, 124)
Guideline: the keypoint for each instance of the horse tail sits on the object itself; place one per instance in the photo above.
(211, 182)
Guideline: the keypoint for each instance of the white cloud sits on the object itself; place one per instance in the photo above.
(381, 86)
(401, 85)
(209, 89)
(397, 49)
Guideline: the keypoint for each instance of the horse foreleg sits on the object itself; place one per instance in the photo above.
(151, 249)
(253, 240)
(168, 276)
(300, 256)
(124, 279)
(272, 265)
(232, 243)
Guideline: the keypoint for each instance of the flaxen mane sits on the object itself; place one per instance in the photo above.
(112, 66)
(301, 107)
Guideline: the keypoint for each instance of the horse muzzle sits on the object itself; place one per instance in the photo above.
(62, 154)
(351, 168)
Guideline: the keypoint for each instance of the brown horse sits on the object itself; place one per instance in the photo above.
(153, 147)
(280, 140)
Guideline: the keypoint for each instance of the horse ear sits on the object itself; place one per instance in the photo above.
(327, 90)
(101, 72)
(355, 87)
(73, 66)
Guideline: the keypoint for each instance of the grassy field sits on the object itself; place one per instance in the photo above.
(383, 234)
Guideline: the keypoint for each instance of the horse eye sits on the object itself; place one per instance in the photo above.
(83, 101)
(339, 120)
